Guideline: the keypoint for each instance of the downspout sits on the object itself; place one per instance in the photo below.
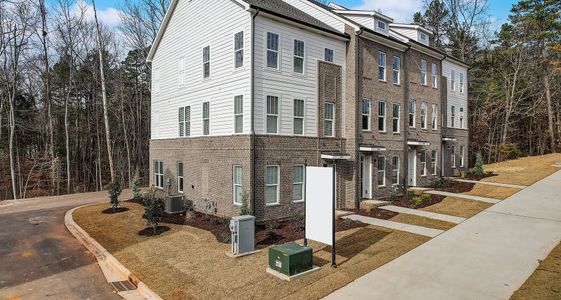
(252, 114)
(406, 118)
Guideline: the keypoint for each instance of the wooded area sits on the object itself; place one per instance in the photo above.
(75, 93)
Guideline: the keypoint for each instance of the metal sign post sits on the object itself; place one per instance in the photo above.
(305, 174)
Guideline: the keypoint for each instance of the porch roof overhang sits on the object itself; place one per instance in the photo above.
(412, 142)
(448, 139)
(372, 148)
(335, 156)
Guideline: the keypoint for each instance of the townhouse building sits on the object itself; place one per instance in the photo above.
(246, 93)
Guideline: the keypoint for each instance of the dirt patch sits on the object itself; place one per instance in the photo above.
(458, 207)
(114, 211)
(149, 231)
(377, 213)
(422, 221)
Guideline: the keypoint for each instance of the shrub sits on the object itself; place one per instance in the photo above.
(441, 182)
(153, 208)
(409, 195)
(114, 188)
(298, 223)
(418, 200)
(478, 169)
(272, 225)
(244, 208)
(136, 193)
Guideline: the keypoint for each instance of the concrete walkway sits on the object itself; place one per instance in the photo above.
(430, 232)
(464, 196)
(422, 213)
(488, 256)
(508, 185)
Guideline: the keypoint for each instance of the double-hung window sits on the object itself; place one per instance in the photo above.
(433, 162)
(298, 126)
(423, 163)
(412, 113)
(381, 170)
(206, 62)
(180, 178)
(395, 170)
(424, 115)
(381, 116)
(159, 174)
(184, 119)
(461, 156)
(453, 156)
(298, 183)
(329, 119)
(423, 72)
(237, 175)
(238, 49)
(272, 185)
(272, 114)
(381, 65)
(272, 50)
(461, 82)
(461, 117)
(434, 116)
(381, 25)
(396, 118)
(452, 116)
(453, 79)
(396, 68)
(238, 114)
(366, 111)
(206, 118)
(299, 60)
(433, 72)
(328, 55)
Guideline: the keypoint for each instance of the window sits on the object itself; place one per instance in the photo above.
(433, 161)
(328, 55)
(159, 174)
(381, 25)
(206, 118)
(423, 163)
(461, 156)
(237, 175)
(181, 72)
(422, 36)
(381, 66)
(424, 115)
(184, 119)
(461, 117)
(206, 62)
(423, 72)
(298, 66)
(395, 117)
(366, 110)
(180, 180)
(381, 170)
(461, 82)
(329, 117)
(272, 185)
(453, 79)
(433, 73)
(412, 113)
(452, 116)
(272, 114)
(434, 116)
(298, 116)
(395, 170)
(238, 49)
(396, 67)
(298, 183)
(453, 156)
(382, 116)
(272, 50)
(238, 114)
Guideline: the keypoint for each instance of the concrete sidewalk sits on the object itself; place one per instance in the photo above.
(488, 256)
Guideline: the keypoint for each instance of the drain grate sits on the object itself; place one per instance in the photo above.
(121, 286)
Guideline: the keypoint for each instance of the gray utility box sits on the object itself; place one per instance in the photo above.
(173, 204)
(243, 234)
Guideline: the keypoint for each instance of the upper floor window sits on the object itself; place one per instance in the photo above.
(424, 115)
(433, 72)
(396, 67)
(452, 116)
(412, 113)
(381, 25)
(238, 114)
(180, 178)
(381, 65)
(159, 174)
(237, 179)
(366, 110)
(206, 62)
(461, 82)
(298, 116)
(238, 49)
(272, 50)
(423, 72)
(206, 118)
(272, 114)
(328, 55)
(396, 117)
(381, 170)
(461, 117)
(298, 57)
(298, 183)
(453, 79)
(382, 116)
(328, 119)
(184, 121)
(434, 116)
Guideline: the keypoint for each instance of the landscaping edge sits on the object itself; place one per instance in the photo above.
(112, 269)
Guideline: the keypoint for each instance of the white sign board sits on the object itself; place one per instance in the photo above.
(319, 204)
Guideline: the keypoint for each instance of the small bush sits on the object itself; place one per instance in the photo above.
(272, 225)
(478, 169)
(153, 208)
(114, 189)
(418, 200)
(244, 208)
(409, 195)
(441, 182)
(136, 193)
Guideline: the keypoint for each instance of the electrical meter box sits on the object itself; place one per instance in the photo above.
(290, 259)
(243, 234)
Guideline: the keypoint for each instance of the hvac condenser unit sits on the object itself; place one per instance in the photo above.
(290, 259)
(173, 204)
(243, 234)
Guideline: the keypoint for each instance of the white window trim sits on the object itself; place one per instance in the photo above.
(294, 117)
(398, 70)
(424, 116)
(423, 163)
(277, 115)
(333, 134)
(383, 172)
(236, 184)
(238, 114)
(434, 117)
(278, 51)
(378, 22)
(182, 177)
(277, 185)
(295, 56)
(186, 122)
(382, 66)
(398, 167)
(303, 185)
(398, 117)
(434, 76)
(205, 119)
(423, 73)
(242, 49)
(209, 62)
(414, 113)
(384, 116)
(369, 115)
(325, 57)
(157, 174)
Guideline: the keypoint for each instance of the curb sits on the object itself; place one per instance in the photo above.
(112, 269)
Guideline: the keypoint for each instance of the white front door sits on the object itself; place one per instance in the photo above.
(366, 175)
(412, 168)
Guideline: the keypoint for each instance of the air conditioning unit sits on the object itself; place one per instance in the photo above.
(173, 204)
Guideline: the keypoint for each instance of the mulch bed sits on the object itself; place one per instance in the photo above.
(486, 175)
(457, 187)
(117, 210)
(375, 213)
(403, 202)
(149, 231)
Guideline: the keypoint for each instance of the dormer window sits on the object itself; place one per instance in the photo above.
(381, 25)
(423, 36)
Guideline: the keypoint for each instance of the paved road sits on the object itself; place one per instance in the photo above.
(40, 259)
(489, 256)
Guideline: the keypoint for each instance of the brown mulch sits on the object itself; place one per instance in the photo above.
(114, 211)
(457, 187)
(403, 202)
(375, 213)
(149, 231)
(479, 177)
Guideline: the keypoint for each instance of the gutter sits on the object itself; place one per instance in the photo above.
(252, 114)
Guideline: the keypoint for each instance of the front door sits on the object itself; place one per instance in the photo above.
(412, 168)
(366, 176)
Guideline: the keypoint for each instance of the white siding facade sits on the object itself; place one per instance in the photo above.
(318, 13)
(454, 96)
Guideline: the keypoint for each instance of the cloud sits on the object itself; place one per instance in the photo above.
(401, 11)
(108, 16)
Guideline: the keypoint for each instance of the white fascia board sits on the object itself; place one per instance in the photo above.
(335, 156)
(364, 13)
(384, 41)
(418, 143)
(372, 149)
(411, 26)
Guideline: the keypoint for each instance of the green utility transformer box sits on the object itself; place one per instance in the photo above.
(290, 258)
